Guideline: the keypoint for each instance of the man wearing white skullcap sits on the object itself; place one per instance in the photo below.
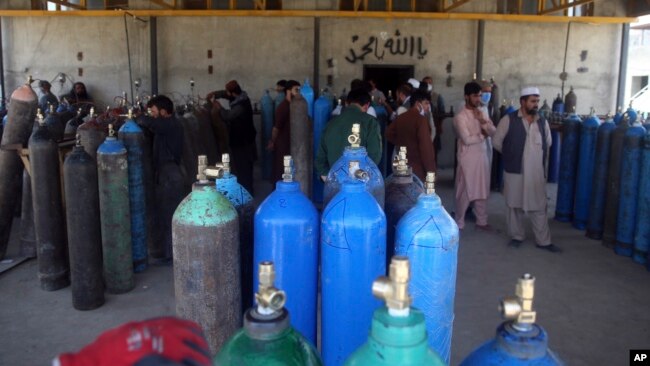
(523, 137)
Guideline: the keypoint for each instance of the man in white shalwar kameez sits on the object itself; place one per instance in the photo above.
(524, 139)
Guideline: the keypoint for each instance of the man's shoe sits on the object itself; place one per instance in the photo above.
(515, 243)
(485, 227)
(551, 248)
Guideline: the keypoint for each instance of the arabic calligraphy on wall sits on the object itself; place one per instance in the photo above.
(377, 47)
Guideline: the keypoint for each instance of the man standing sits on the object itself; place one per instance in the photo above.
(335, 136)
(239, 119)
(524, 139)
(437, 112)
(47, 98)
(412, 130)
(472, 126)
(280, 142)
(169, 175)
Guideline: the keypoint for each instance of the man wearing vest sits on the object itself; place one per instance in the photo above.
(524, 138)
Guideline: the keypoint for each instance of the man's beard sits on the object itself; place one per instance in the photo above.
(532, 111)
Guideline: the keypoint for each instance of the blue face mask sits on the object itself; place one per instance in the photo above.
(485, 97)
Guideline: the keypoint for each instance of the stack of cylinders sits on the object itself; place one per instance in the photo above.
(630, 174)
(205, 235)
(429, 237)
(599, 186)
(353, 254)
(568, 164)
(339, 173)
(49, 226)
(614, 183)
(586, 165)
(286, 233)
(322, 113)
(20, 120)
(243, 203)
(301, 141)
(84, 230)
(133, 139)
(267, 129)
(642, 234)
(27, 234)
(113, 178)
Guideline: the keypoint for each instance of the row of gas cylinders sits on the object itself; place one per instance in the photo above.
(212, 275)
(604, 182)
(105, 203)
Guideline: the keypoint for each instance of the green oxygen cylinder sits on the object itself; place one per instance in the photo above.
(398, 334)
(267, 339)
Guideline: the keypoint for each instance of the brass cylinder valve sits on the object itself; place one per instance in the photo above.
(203, 165)
(40, 118)
(400, 163)
(111, 131)
(269, 299)
(520, 307)
(225, 162)
(394, 289)
(30, 80)
(51, 106)
(430, 183)
(354, 139)
(287, 176)
(92, 112)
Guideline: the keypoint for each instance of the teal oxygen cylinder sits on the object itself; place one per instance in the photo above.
(519, 340)
(267, 338)
(398, 334)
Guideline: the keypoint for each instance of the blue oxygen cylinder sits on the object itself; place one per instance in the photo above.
(340, 170)
(556, 140)
(286, 233)
(568, 166)
(228, 186)
(585, 174)
(428, 236)
(599, 186)
(519, 341)
(558, 105)
(322, 113)
(308, 93)
(642, 234)
(268, 114)
(618, 117)
(353, 254)
(131, 135)
(630, 174)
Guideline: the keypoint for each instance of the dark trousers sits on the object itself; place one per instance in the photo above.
(242, 159)
(170, 191)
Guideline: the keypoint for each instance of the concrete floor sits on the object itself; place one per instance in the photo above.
(593, 303)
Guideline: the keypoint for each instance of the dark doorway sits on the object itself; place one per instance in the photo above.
(388, 77)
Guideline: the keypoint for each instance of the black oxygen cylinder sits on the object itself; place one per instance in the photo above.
(56, 125)
(570, 101)
(84, 230)
(92, 135)
(49, 225)
(614, 183)
(27, 234)
(20, 119)
(73, 123)
(302, 135)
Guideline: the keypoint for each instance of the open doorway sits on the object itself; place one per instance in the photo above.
(388, 77)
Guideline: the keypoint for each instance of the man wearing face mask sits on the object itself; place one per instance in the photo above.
(523, 137)
(280, 142)
(241, 131)
(411, 129)
(473, 127)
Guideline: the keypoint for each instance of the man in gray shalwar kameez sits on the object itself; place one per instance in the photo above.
(524, 139)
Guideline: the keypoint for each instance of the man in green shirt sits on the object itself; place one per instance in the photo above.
(335, 136)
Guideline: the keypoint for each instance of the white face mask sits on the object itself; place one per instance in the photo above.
(421, 110)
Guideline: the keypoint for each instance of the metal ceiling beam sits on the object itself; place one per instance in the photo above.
(81, 6)
(454, 4)
(321, 14)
